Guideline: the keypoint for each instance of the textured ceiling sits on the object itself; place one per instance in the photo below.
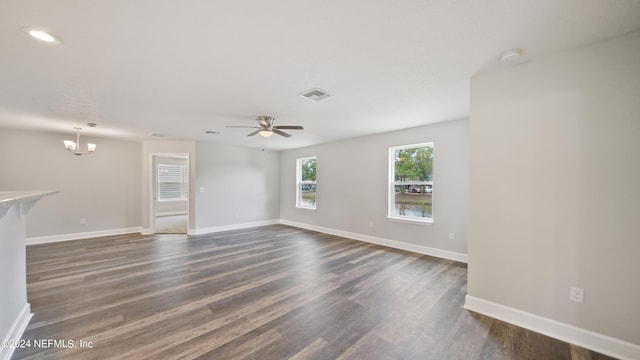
(184, 67)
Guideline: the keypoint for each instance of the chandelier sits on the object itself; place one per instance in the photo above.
(74, 146)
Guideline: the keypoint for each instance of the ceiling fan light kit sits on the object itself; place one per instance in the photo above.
(266, 127)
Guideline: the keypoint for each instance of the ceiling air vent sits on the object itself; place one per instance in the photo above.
(315, 95)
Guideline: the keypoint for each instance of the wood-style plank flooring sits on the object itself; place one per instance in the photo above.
(273, 292)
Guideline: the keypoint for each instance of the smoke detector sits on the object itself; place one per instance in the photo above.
(511, 56)
(315, 94)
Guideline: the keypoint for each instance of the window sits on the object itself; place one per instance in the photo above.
(306, 183)
(411, 182)
(173, 182)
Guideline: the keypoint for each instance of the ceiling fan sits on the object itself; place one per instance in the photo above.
(267, 128)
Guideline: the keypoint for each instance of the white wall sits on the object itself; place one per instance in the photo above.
(352, 183)
(103, 188)
(171, 207)
(555, 187)
(241, 185)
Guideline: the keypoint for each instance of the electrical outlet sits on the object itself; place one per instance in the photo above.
(452, 236)
(83, 221)
(576, 294)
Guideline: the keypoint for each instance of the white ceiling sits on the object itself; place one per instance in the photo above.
(183, 67)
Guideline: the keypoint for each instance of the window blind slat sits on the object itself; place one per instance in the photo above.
(173, 182)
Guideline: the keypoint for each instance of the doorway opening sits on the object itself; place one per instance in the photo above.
(171, 194)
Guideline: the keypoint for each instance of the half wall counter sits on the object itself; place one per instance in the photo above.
(15, 311)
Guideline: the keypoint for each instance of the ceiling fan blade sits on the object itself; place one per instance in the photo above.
(281, 132)
(245, 127)
(289, 127)
(253, 133)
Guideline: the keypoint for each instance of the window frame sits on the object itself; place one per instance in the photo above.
(300, 182)
(392, 184)
(184, 187)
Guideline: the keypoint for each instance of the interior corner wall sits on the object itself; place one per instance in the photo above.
(240, 186)
(555, 187)
(102, 188)
(353, 181)
(164, 147)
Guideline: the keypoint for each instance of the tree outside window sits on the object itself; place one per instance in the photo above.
(306, 183)
(411, 182)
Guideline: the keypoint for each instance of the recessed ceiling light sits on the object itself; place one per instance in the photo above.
(511, 55)
(43, 36)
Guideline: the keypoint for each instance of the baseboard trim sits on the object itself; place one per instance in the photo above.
(171, 213)
(419, 249)
(588, 339)
(15, 332)
(215, 229)
(84, 235)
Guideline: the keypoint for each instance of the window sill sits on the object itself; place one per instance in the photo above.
(427, 222)
(306, 208)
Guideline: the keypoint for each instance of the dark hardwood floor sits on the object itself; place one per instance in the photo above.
(273, 292)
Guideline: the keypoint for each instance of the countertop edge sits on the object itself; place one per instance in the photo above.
(8, 198)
